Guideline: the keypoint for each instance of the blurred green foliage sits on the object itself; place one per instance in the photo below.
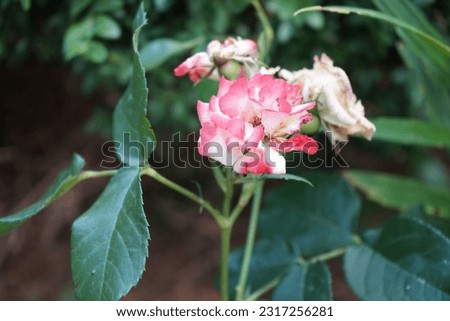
(93, 36)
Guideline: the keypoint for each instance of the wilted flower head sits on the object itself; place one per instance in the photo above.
(225, 58)
(340, 111)
(251, 121)
(241, 50)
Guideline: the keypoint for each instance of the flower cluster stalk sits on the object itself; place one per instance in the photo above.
(251, 234)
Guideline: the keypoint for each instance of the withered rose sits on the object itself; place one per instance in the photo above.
(339, 109)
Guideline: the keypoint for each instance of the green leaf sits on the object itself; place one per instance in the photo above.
(315, 220)
(409, 261)
(412, 132)
(305, 282)
(373, 277)
(271, 258)
(106, 27)
(26, 4)
(156, 52)
(76, 38)
(419, 248)
(435, 99)
(407, 11)
(110, 240)
(439, 223)
(428, 66)
(63, 182)
(436, 63)
(400, 192)
(287, 177)
(95, 52)
(132, 131)
(443, 48)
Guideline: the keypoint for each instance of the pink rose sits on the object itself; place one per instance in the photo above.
(251, 121)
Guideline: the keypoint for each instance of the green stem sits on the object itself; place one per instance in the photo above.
(194, 197)
(225, 238)
(251, 234)
(158, 177)
(93, 174)
(225, 234)
(323, 257)
(248, 189)
(267, 28)
(220, 178)
(229, 189)
(255, 295)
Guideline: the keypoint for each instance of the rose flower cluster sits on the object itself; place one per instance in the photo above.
(255, 117)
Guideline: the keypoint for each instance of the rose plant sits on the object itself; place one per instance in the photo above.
(259, 116)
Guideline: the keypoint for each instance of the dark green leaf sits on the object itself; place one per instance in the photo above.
(428, 66)
(271, 258)
(442, 224)
(409, 261)
(435, 99)
(65, 181)
(418, 248)
(110, 240)
(315, 220)
(412, 132)
(156, 52)
(373, 277)
(106, 27)
(437, 65)
(132, 131)
(400, 192)
(305, 282)
(405, 10)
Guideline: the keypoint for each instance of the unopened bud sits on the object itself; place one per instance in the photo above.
(311, 127)
(230, 70)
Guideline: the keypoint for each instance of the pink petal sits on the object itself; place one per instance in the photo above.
(279, 124)
(301, 143)
(196, 67)
(214, 143)
(254, 134)
(224, 86)
(236, 98)
(261, 160)
(203, 112)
